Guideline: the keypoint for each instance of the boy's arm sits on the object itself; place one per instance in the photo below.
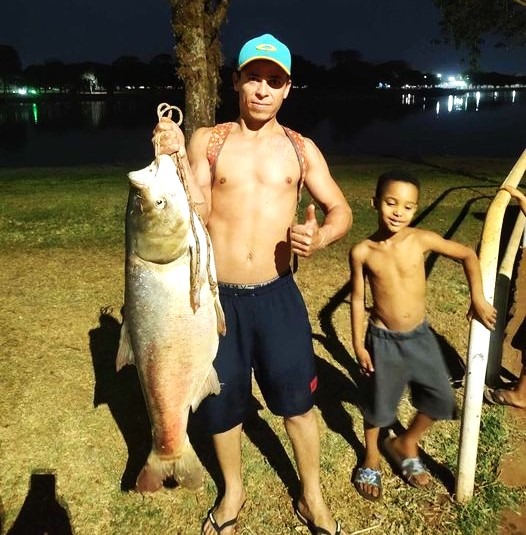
(517, 194)
(480, 308)
(358, 311)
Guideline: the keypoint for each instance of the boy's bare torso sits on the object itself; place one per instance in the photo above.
(395, 269)
(254, 197)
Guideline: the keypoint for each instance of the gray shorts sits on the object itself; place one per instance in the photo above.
(403, 359)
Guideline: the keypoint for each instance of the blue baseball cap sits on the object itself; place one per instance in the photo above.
(265, 47)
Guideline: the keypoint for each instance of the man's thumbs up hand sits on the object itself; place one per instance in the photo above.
(306, 238)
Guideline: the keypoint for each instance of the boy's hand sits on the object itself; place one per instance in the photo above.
(483, 312)
(514, 192)
(365, 362)
(168, 138)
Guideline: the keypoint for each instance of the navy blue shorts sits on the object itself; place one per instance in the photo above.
(403, 359)
(268, 331)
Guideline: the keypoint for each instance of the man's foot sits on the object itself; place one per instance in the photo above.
(326, 526)
(220, 520)
(504, 396)
(368, 483)
(412, 468)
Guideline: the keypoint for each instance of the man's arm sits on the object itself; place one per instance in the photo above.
(169, 139)
(358, 310)
(309, 236)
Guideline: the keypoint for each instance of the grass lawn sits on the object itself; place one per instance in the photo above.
(67, 415)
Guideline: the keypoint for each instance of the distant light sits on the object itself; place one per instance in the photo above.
(35, 112)
(22, 91)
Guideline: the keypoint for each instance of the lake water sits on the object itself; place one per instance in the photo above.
(118, 131)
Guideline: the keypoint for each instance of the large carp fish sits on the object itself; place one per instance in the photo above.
(172, 317)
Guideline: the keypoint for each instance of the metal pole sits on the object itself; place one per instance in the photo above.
(479, 338)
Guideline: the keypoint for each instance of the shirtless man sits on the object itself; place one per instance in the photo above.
(399, 348)
(247, 192)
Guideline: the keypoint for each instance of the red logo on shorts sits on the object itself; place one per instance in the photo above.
(314, 384)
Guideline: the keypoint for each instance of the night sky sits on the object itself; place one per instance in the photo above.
(102, 30)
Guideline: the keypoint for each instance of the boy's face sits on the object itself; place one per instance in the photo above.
(397, 205)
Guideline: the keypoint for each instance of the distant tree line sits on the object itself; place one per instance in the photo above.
(348, 71)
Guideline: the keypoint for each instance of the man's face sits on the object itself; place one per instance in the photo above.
(262, 86)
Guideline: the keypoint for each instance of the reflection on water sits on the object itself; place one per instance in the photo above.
(386, 122)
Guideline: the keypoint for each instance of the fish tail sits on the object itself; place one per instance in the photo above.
(186, 469)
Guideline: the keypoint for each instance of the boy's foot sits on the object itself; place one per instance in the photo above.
(412, 468)
(503, 396)
(368, 483)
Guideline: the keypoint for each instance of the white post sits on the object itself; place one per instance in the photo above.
(475, 377)
(479, 338)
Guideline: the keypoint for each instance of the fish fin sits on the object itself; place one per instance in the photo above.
(210, 386)
(185, 468)
(125, 352)
(188, 470)
(221, 322)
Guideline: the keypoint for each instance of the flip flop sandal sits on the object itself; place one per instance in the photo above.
(371, 477)
(220, 527)
(313, 528)
(496, 397)
(410, 467)
(413, 467)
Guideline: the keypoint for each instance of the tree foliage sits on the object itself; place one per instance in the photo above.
(196, 25)
(10, 65)
(466, 23)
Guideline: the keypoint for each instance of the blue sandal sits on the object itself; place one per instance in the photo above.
(410, 467)
(368, 476)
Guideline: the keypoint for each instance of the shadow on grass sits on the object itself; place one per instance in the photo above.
(122, 393)
(41, 511)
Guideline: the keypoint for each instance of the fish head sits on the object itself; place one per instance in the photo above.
(158, 213)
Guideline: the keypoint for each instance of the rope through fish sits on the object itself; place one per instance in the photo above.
(163, 109)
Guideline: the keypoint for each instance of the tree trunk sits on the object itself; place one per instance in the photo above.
(196, 25)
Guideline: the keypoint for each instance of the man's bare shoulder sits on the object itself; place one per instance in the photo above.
(202, 134)
(311, 149)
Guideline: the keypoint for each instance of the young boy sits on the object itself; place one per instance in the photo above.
(515, 396)
(399, 348)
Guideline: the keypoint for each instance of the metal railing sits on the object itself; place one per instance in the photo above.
(479, 336)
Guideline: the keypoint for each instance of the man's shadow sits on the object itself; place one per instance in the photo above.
(41, 511)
